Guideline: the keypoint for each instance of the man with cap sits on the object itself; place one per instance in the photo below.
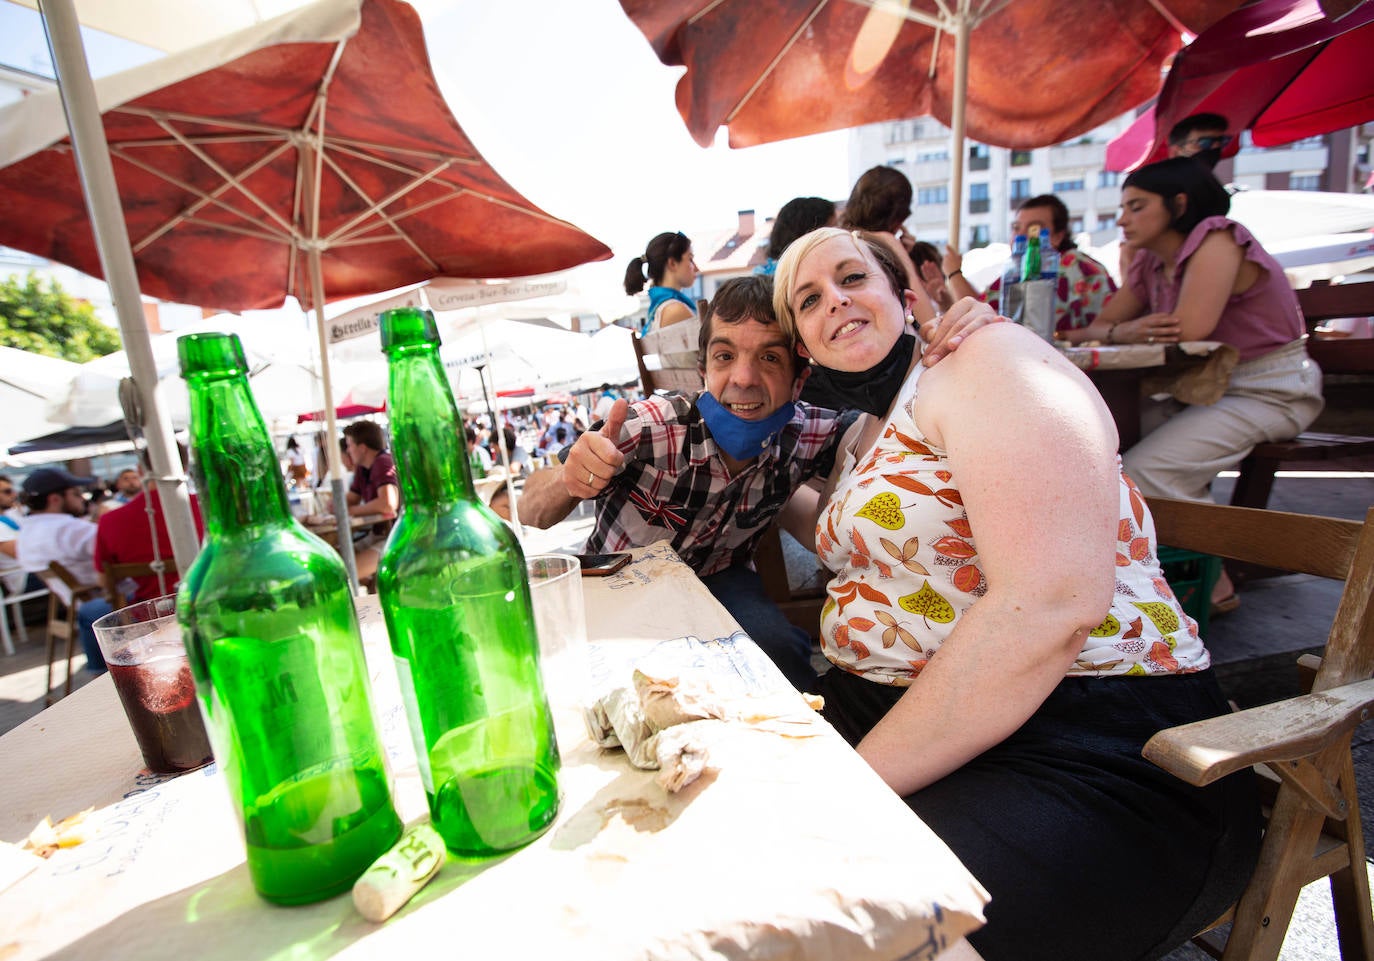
(56, 530)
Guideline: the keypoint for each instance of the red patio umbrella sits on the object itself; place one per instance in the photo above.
(1283, 69)
(1023, 74)
(311, 156)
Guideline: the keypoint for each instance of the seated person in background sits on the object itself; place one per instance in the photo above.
(125, 536)
(128, 484)
(1083, 286)
(1004, 649)
(669, 268)
(375, 490)
(1201, 136)
(709, 472)
(1200, 276)
(798, 216)
(879, 205)
(478, 456)
(930, 274)
(13, 579)
(57, 529)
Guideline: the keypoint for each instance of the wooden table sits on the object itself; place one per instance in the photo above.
(1118, 370)
(763, 856)
(328, 530)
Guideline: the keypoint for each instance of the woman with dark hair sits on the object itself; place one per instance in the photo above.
(1004, 647)
(1197, 275)
(668, 266)
(798, 216)
(879, 205)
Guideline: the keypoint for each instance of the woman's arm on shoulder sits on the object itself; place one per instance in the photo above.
(1209, 280)
(1032, 449)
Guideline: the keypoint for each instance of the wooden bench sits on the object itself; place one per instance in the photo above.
(668, 360)
(1336, 357)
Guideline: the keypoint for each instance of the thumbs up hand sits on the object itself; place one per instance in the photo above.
(595, 459)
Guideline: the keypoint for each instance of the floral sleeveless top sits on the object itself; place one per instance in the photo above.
(896, 533)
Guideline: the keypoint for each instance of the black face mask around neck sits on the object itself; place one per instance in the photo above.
(871, 391)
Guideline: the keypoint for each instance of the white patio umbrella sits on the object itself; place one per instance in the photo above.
(29, 384)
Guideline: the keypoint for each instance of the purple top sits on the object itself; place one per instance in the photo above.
(367, 481)
(1261, 320)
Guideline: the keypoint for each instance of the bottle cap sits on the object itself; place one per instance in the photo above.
(408, 327)
(211, 354)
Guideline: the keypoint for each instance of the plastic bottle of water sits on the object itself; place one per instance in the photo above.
(1049, 257)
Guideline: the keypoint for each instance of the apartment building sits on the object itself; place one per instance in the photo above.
(997, 180)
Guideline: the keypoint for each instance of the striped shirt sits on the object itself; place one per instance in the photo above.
(675, 485)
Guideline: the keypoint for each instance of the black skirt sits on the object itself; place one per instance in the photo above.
(1088, 850)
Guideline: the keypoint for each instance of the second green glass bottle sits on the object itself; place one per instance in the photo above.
(456, 600)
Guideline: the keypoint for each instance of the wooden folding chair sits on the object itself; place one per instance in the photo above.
(668, 360)
(115, 574)
(62, 617)
(1302, 744)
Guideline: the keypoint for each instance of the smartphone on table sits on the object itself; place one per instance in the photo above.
(599, 565)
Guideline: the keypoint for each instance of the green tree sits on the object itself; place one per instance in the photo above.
(38, 315)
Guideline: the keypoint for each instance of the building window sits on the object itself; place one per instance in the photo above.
(932, 156)
(1020, 158)
(979, 157)
(933, 195)
(978, 202)
(897, 162)
(1304, 181)
(1075, 225)
(1108, 178)
(1020, 189)
(1308, 143)
(979, 236)
(1068, 186)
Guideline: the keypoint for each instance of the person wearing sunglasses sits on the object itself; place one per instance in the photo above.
(1201, 136)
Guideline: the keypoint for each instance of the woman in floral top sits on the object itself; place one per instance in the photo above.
(1003, 640)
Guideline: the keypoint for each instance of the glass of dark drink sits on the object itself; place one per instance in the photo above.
(147, 661)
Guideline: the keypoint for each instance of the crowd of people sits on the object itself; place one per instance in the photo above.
(1000, 638)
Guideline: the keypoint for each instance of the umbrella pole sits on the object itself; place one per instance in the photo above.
(331, 426)
(117, 261)
(962, 28)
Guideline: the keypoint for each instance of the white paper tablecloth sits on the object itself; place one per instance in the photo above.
(762, 857)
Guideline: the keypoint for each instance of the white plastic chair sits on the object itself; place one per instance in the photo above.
(10, 606)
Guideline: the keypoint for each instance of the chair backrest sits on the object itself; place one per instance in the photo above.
(113, 574)
(56, 573)
(667, 357)
(1326, 301)
(1300, 543)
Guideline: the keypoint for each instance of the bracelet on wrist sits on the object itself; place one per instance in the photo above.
(1111, 334)
(955, 273)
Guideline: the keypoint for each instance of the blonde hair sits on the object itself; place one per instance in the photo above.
(786, 273)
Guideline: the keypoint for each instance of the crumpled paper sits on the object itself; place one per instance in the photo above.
(665, 716)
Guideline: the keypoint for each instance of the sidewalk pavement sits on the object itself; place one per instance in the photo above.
(1254, 649)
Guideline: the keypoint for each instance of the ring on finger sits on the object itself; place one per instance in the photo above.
(590, 478)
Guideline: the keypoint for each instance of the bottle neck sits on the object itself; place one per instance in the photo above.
(427, 436)
(235, 466)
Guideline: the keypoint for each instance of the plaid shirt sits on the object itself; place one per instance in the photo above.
(675, 485)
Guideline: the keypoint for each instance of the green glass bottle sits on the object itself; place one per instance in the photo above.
(268, 620)
(456, 599)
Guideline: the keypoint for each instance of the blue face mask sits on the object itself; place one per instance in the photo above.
(742, 439)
